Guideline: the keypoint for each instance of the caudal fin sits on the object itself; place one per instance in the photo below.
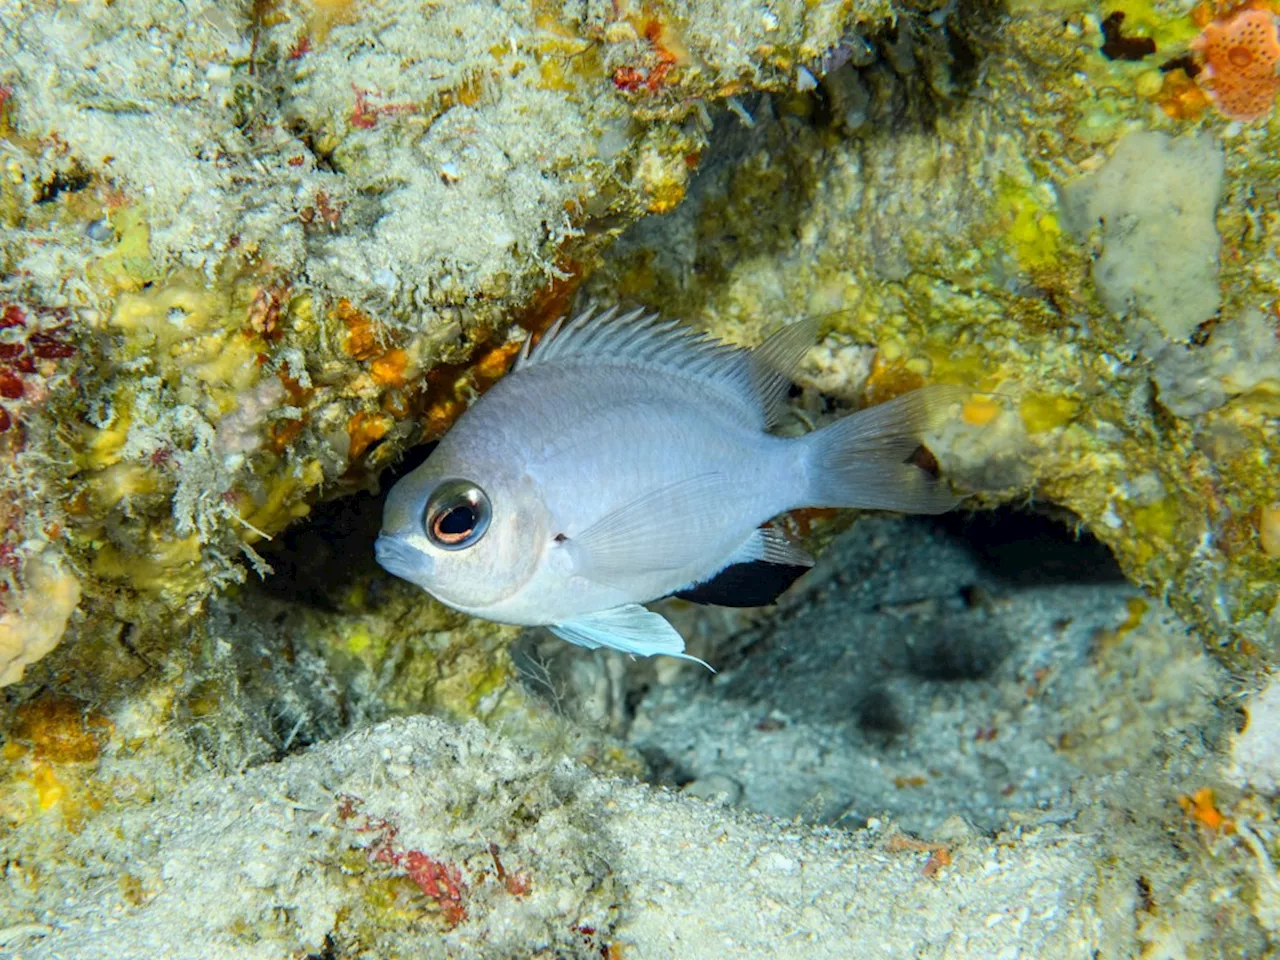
(860, 461)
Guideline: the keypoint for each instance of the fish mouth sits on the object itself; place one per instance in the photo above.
(402, 560)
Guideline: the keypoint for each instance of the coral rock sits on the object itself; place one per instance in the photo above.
(35, 623)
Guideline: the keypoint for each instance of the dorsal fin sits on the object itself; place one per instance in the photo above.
(775, 362)
(756, 380)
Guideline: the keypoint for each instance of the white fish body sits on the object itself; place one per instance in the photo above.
(626, 459)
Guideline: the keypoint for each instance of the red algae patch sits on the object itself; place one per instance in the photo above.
(1240, 50)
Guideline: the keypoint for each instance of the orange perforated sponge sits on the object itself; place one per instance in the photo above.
(1240, 50)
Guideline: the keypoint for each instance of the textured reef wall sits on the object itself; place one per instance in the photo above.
(252, 253)
(252, 256)
(1081, 232)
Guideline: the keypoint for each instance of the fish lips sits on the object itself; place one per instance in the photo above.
(402, 560)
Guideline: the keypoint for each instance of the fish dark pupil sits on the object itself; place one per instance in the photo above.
(457, 522)
(457, 515)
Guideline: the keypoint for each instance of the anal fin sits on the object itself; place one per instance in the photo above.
(756, 583)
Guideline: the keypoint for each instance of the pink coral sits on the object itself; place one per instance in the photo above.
(1240, 51)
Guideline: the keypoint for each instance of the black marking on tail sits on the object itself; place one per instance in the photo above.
(756, 583)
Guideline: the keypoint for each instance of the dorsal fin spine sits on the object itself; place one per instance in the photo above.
(752, 381)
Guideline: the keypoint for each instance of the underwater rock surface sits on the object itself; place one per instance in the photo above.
(1155, 201)
(926, 670)
(958, 678)
(934, 221)
(420, 837)
(253, 254)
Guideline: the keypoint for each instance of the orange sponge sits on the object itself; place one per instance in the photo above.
(1240, 51)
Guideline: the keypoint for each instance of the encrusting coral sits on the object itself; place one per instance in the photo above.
(945, 251)
(256, 325)
(34, 620)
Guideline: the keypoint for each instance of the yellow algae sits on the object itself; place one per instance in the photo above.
(161, 555)
(890, 350)
(50, 791)
(167, 315)
(663, 179)
(279, 508)
(951, 365)
(1269, 530)
(1032, 232)
(920, 366)
(359, 640)
(327, 14)
(1143, 19)
(173, 553)
(232, 365)
(105, 445)
(551, 75)
(302, 314)
(666, 196)
(169, 567)
(1150, 84)
(1042, 412)
(1156, 521)
(128, 265)
(121, 480)
(492, 677)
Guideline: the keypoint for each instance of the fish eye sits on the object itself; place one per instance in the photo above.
(457, 515)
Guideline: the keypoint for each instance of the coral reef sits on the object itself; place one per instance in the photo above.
(317, 255)
(272, 254)
(947, 231)
(252, 254)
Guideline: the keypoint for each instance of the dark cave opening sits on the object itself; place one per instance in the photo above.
(1024, 547)
(313, 562)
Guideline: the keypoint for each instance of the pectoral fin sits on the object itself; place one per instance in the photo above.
(629, 628)
(664, 530)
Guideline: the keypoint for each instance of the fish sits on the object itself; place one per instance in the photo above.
(626, 458)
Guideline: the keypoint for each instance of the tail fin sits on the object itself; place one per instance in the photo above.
(860, 461)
